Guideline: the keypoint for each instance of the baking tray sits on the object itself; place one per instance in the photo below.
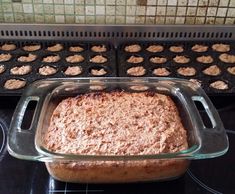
(61, 65)
(204, 142)
(172, 66)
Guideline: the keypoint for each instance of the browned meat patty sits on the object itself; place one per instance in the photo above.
(13, 84)
(136, 71)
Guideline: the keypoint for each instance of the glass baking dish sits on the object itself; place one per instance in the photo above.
(203, 142)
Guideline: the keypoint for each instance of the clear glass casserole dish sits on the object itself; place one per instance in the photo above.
(202, 142)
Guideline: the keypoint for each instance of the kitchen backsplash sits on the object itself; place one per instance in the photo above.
(118, 11)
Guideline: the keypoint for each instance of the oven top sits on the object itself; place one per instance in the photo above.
(204, 176)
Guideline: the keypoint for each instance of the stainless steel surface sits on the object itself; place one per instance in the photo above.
(116, 33)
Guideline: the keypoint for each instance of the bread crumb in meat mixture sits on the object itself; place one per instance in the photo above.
(231, 70)
(55, 48)
(32, 47)
(220, 85)
(75, 58)
(5, 57)
(221, 47)
(199, 48)
(47, 70)
(99, 48)
(136, 71)
(186, 71)
(155, 48)
(13, 84)
(73, 70)
(213, 70)
(205, 59)
(8, 47)
(176, 49)
(181, 59)
(21, 70)
(133, 48)
(161, 71)
(51, 59)
(98, 72)
(158, 60)
(28, 58)
(116, 123)
(227, 58)
(2, 68)
(98, 59)
(135, 59)
(76, 49)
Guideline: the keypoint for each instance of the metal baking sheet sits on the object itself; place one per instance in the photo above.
(61, 65)
(172, 66)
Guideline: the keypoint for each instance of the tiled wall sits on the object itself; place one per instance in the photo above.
(118, 11)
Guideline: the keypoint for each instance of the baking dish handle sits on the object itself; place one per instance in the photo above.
(214, 140)
(21, 141)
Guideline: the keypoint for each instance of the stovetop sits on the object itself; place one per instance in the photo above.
(203, 176)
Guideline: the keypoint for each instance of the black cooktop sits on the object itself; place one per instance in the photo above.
(203, 176)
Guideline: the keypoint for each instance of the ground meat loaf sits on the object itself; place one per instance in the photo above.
(120, 123)
(205, 59)
(196, 81)
(139, 88)
(13, 84)
(96, 85)
(135, 59)
(133, 48)
(73, 70)
(176, 49)
(27, 58)
(47, 70)
(186, 71)
(155, 48)
(5, 57)
(136, 71)
(2, 68)
(55, 48)
(51, 59)
(158, 60)
(75, 58)
(98, 72)
(181, 59)
(76, 49)
(212, 70)
(99, 48)
(32, 47)
(98, 59)
(199, 48)
(227, 58)
(8, 47)
(161, 71)
(231, 70)
(221, 47)
(220, 85)
(21, 70)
